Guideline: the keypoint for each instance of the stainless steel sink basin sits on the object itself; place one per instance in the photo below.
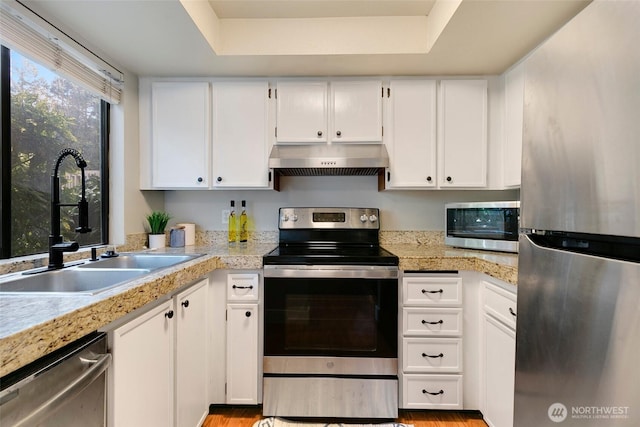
(149, 261)
(91, 277)
(72, 280)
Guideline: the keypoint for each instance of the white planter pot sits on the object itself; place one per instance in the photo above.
(157, 241)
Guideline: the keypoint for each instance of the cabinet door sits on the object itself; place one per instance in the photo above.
(240, 146)
(499, 368)
(462, 136)
(301, 112)
(142, 371)
(191, 356)
(356, 111)
(411, 135)
(180, 134)
(242, 354)
(514, 107)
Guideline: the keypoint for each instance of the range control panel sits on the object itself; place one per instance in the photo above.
(333, 218)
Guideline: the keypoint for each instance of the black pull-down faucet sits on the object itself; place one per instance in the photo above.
(56, 245)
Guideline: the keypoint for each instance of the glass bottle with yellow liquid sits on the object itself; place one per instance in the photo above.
(244, 226)
(232, 233)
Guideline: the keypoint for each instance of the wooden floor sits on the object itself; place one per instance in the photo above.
(240, 416)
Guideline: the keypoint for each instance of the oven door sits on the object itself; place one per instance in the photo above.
(330, 341)
(334, 320)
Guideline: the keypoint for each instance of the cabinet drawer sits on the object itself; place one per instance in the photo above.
(500, 303)
(242, 287)
(432, 321)
(432, 391)
(432, 355)
(431, 291)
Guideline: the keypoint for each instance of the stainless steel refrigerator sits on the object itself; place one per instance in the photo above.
(578, 326)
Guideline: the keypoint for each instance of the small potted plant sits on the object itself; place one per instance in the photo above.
(157, 223)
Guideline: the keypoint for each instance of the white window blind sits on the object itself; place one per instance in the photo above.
(42, 43)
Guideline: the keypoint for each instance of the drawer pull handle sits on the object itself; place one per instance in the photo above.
(432, 356)
(433, 394)
(242, 287)
(439, 291)
(512, 312)
(439, 322)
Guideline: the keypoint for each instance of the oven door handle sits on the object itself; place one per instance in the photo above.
(331, 271)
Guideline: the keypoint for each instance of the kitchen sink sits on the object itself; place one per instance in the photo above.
(73, 280)
(146, 261)
(91, 277)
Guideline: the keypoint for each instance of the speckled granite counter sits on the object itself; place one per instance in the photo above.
(502, 266)
(33, 326)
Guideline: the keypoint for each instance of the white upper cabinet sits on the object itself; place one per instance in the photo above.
(356, 111)
(514, 108)
(411, 134)
(319, 111)
(240, 146)
(302, 111)
(462, 134)
(180, 134)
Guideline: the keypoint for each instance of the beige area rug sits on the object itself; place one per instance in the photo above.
(279, 422)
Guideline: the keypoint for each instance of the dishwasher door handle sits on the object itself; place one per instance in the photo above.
(75, 386)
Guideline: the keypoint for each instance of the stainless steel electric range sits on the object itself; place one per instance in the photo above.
(330, 317)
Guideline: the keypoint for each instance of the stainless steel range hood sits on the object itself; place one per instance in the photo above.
(328, 159)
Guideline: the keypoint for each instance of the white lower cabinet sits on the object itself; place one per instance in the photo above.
(244, 353)
(191, 356)
(431, 342)
(158, 375)
(498, 355)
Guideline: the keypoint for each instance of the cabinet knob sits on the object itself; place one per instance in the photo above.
(185, 303)
(169, 314)
(338, 133)
(319, 133)
(428, 179)
(248, 314)
(219, 179)
(200, 179)
(449, 179)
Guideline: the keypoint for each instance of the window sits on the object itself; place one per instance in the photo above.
(42, 114)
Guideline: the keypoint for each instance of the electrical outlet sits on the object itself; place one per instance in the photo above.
(225, 216)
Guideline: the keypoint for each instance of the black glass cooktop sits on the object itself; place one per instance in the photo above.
(327, 254)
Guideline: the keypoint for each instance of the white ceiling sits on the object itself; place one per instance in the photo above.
(286, 38)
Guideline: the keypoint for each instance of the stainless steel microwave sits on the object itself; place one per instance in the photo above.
(491, 226)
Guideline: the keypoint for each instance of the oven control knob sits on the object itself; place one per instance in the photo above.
(294, 218)
(363, 218)
(373, 218)
(284, 218)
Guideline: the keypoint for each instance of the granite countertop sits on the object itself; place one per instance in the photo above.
(33, 326)
(503, 266)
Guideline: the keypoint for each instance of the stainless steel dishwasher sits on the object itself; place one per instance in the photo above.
(66, 388)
